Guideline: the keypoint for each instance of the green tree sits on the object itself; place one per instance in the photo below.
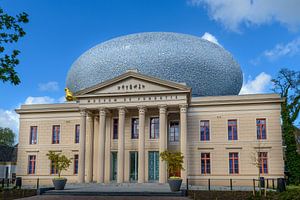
(7, 136)
(10, 32)
(61, 161)
(287, 84)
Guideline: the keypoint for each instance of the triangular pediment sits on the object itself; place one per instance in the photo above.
(133, 82)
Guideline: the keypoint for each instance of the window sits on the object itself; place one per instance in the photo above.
(115, 128)
(76, 164)
(174, 131)
(31, 164)
(33, 135)
(204, 130)
(154, 128)
(263, 162)
(134, 128)
(55, 134)
(53, 168)
(205, 163)
(261, 129)
(232, 129)
(233, 163)
(77, 133)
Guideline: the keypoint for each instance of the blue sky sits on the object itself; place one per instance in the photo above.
(263, 36)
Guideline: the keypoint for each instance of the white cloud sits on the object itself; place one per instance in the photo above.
(211, 38)
(233, 13)
(51, 86)
(258, 85)
(39, 100)
(9, 119)
(290, 49)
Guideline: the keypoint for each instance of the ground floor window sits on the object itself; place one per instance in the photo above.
(153, 165)
(233, 163)
(114, 166)
(31, 164)
(263, 162)
(76, 164)
(133, 166)
(205, 163)
(53, 168)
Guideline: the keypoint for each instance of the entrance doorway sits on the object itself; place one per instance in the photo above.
(133, 166)
(153, 166)
(114, 166)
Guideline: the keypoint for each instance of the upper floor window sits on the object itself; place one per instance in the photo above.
(232, 129)
(53, 168)
(55, 134)
(204, 130)
(76, 164)
(263, 162)
(77, 133)
(33, 135)
(31, 164)
(174, 131)
(261, 129)
(233, 163)
(115, 128)
(205, 163)
(154, 128)
(134, 128)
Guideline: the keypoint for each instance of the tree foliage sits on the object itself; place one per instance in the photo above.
(174, 161)
(10, 32)
(7, 136)
(287, 84)
(61, 162)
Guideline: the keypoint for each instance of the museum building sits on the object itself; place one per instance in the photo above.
(135, 96)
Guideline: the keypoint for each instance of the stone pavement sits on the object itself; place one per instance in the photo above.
(51, 197)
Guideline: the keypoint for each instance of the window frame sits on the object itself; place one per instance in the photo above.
(31, 141)
(53, 168)
(262, 164)
(169, 131)
(134, 127)
(260, 136)
(232, 130)
(200, 131)
(150, 131)
(205, 158)
(115, 136)
(75, 165)
(57, 141)
(31, 169)
(77, 139)
(233, 163)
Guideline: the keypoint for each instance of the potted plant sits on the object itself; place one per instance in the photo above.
(61, 163)
(174, 162)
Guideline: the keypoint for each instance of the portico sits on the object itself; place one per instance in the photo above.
(133, 107)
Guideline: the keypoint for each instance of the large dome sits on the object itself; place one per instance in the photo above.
(204, 66)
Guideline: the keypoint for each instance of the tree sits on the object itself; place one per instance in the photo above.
(174, 161)
(287, 84)
(7, 136)
(61, 161)
(10, 32)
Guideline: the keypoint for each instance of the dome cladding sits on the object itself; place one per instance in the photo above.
(207, 68)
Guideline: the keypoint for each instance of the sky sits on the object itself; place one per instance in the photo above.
(263, 37)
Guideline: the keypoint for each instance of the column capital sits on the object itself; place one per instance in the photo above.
(83, 112)
(102, 111)
(142, 109)
(162, 108)
(183, 107)
(121, 110)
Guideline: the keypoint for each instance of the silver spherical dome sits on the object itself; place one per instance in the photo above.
(204, 66)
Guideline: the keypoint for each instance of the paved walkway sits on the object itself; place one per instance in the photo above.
(50, 197)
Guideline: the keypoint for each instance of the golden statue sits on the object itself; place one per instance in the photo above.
(69, 95)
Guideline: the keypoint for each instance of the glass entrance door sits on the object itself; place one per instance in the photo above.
(114, 166)
(153, 165)
(133, 166)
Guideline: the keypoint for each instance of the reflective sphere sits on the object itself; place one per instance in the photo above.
(204, 66)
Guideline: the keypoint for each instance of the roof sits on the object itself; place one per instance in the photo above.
(8, 154)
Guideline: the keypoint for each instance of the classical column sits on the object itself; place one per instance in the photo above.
(89, 153)
(183, 139)
(81, 166)
(162, 142)
(141, 155)
(96, 148)
(101, 145)
(121, 127)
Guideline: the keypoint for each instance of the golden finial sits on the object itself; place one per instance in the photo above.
(69, 95)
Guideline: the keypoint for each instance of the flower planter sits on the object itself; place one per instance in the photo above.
(59, 183)
(175, 184)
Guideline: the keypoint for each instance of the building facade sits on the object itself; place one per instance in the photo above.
(115, 131)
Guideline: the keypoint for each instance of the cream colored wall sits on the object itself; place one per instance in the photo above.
(219, 146)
